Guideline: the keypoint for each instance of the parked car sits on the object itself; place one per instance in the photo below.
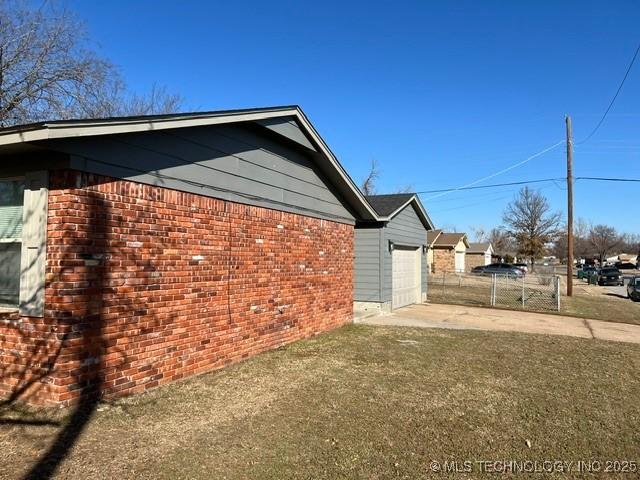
(589, 270)
(633, 289)
(522, 266)
(610, 276)
(499, 269)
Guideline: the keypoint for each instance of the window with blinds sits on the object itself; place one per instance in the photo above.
(11, 206)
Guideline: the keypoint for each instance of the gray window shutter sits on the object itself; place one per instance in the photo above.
(34, 243)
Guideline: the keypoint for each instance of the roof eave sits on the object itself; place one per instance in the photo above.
(84, 128)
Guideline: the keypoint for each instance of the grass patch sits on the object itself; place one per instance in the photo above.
(602, 307)
(363, 402)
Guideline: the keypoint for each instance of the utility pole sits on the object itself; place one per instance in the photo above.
(569, 208)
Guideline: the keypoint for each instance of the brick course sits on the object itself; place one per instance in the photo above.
(147, 285)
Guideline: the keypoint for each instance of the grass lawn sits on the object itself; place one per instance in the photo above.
(589, 301)
(361, 402)
(602, 307)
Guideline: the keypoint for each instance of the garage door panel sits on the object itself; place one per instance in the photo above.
(405, 277)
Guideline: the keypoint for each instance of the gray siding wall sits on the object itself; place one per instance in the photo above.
(404, 229)
(234, 162)
(366, 272)
(372, 271)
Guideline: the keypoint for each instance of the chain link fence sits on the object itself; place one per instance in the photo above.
(535, 291)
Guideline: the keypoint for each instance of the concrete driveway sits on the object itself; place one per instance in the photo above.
(431, 315)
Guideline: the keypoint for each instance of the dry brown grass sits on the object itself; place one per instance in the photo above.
(361, 402)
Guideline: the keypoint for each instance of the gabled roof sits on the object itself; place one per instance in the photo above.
(432, 236)
(480, 247)
(385, 205)
(27, 135)
(389, 205)
(451, 240)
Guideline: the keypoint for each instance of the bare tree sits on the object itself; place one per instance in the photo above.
(581, 245)
(530, 222)
(407, 188)
(500, 241)
(479, 233)
(48, 71)
(630, 243)
(158, 100)
(369, 183)
(604, 240)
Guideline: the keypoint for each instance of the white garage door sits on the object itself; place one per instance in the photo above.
(459, 261)
(405, 278)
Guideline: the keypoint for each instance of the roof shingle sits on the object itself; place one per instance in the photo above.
(449, 239)
(385, 205)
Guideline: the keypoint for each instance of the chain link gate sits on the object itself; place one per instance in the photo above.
(533, 292)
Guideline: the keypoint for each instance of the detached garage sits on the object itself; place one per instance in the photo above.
(390, 254)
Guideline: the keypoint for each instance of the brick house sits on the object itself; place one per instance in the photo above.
(137, 251)
(478, 254)
(446, 251)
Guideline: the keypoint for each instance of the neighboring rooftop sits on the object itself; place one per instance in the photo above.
(479, 247)
(432, 236)
(450, 239)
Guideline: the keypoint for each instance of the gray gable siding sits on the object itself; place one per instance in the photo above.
(403, 229)
(236, 162)
(372, 271)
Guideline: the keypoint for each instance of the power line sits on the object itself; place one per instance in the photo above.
(613, 99)
(605, 179)
(523, 182)
(528, 159)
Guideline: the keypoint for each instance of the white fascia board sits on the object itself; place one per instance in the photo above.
(89, 128)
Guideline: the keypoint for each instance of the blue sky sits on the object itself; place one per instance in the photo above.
(440, 94)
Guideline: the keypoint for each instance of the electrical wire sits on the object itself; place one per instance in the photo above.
(635, 55)
(605, 179)
(523, 182)
(528, 159)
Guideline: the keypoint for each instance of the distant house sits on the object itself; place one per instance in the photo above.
(623, 258)
(432, 236)
(478, 254)
(447, 251)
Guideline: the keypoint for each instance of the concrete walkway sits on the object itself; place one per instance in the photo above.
(432, 315)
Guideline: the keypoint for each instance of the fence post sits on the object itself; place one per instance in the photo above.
(443, 289)
(493, 290)
(523, 292)
(558, 290)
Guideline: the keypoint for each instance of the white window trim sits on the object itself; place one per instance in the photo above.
(4, 307)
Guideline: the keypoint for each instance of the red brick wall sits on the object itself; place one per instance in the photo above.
(444, 260)
(472, 260)
(147, 285)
